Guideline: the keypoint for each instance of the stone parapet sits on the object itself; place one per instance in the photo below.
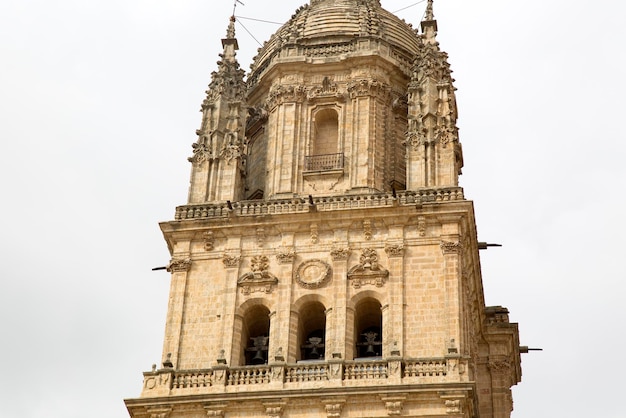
(328, 203)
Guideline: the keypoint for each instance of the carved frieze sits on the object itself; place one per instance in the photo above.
(368, 271)
(313, 274)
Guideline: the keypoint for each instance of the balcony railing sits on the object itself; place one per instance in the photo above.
(289, 376)
(323, 162)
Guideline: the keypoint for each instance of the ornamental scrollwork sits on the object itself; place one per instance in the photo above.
(368, 271)
(259, 279)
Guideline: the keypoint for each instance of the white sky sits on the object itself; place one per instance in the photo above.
(99, 101)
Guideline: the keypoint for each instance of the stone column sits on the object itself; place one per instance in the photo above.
(179, 267)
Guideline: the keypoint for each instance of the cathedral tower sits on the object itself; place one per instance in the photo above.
(326, 263)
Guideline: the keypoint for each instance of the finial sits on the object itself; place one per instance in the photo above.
(429, 24)
(230, 32)
(429, 15)
(235, 6)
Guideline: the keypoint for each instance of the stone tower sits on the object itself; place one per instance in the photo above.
(326, 263)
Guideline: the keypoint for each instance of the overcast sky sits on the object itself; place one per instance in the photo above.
(99, 101)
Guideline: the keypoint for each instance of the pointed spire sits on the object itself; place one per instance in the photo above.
(230, 38)
(429, 24)
(429, 15)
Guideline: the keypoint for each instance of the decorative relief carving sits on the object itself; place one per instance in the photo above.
(259, 279)
(500, 366)
(313, 274)
(274, 409)
(340, 253)
(453, 406)
(209, 240)
(394, 404)
(179, 265)
(280, 94)
(421, 226)
(314, 234)
(260, 236)
(415, 139)
(216, 410)
(230, 260)
(367, 230)
(368, 87)
(285, 255)
(445, 135)
(393, 407)
(449, 247)
(202, 151)
(327, 89)
(368, 271)
(394, 250)
(159, 412)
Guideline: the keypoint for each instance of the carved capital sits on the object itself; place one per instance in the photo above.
(394, 250)
(231, 261)
(449, 247)
(333, 406)
(215, 410)
(179, 265)
(340, 253)
(274, 409)
(285, 256)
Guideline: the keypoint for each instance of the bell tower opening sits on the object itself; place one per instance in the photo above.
(368, 328)
(255, 333)
(312, 332)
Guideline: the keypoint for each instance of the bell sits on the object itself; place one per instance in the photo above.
(314, 354)
(258, 358)
(370, 352)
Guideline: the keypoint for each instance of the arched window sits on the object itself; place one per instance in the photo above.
(368, 328)
(326, 132)
(256, 332)
(312, 331)
(324, 151)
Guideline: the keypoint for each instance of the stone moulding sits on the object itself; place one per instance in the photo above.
(328, 203)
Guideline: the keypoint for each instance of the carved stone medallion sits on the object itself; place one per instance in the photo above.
(313, 274)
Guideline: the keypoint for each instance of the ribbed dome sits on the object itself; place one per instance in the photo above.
(338, 23)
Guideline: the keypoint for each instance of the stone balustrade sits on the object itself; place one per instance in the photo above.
(326, 203)
(288, 376)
